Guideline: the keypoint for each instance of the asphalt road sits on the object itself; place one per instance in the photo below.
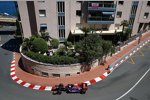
(111, 88)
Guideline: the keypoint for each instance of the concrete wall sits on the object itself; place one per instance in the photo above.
(38, 68)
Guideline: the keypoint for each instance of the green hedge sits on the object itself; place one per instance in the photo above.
(52, 60)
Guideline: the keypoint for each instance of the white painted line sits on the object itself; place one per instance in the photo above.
(12, 73)
(121, 61)
(130, 54)
(134, 51)
(105, 74)
(19, 81)
(36, 87)
(12, 65)
(26, 84)
(48, 88)
(117, 65)
(12, 69)
(137, 48)
(15, 77)
(88, 82)
(13, 61)
(97, 79)
(111, 68)
(134, 85)
(126, 57)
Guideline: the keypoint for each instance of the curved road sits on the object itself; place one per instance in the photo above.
(111, 88)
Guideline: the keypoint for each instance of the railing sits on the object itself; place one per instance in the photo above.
(102, 5)
(100, 19)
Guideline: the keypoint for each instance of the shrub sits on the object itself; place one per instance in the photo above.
(68, 44)
(61, 51)
(52, 60)
(45, 35)
(54, 43)
(39, 45)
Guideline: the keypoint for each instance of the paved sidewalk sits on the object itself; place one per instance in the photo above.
(83, 77)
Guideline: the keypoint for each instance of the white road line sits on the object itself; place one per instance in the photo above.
(97, 79)
(134, 85)
(48, 88)
(126, 57)
(105, 74)
(27, 85)
(19, 81)
(88, 82)
(12, 65)
(36, 87)
(121, 61)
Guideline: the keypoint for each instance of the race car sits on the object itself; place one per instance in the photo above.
(79, 88)
(70, 88)
(57, 89)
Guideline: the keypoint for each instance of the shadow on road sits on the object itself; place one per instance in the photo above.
(13, 44)
(131, 98)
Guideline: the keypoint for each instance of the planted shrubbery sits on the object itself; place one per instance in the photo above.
(60, 60)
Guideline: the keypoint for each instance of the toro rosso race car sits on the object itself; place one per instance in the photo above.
(70, 88)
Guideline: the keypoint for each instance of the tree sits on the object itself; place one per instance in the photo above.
(39, 45)
(54, 43)
(18, 30)
(107, 48)
(90, 48)
(127, 34)
(85, 30)
(45, 36)
(124, 23)
(67, 44)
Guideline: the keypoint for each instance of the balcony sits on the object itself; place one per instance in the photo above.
(101, 6)
(100, 20)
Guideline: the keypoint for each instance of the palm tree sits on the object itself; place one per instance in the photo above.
(124, 23)
(85, 30)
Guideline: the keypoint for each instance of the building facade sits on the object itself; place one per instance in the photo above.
(60, 18)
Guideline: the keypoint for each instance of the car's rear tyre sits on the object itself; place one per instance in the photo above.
(83, 92)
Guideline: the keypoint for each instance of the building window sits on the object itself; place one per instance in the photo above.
(120, 2)
(43, 27)
(42, 13)
(148, 3)
(61, 33)
(61, 20)
(146, 15)
(119, 14)
(61, 6)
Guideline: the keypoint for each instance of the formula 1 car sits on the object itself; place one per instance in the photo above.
(57, 89)
(79, 88)
(70, 88)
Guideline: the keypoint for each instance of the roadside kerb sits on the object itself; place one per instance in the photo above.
(23, 83)
(115, 64)
(90, 82)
